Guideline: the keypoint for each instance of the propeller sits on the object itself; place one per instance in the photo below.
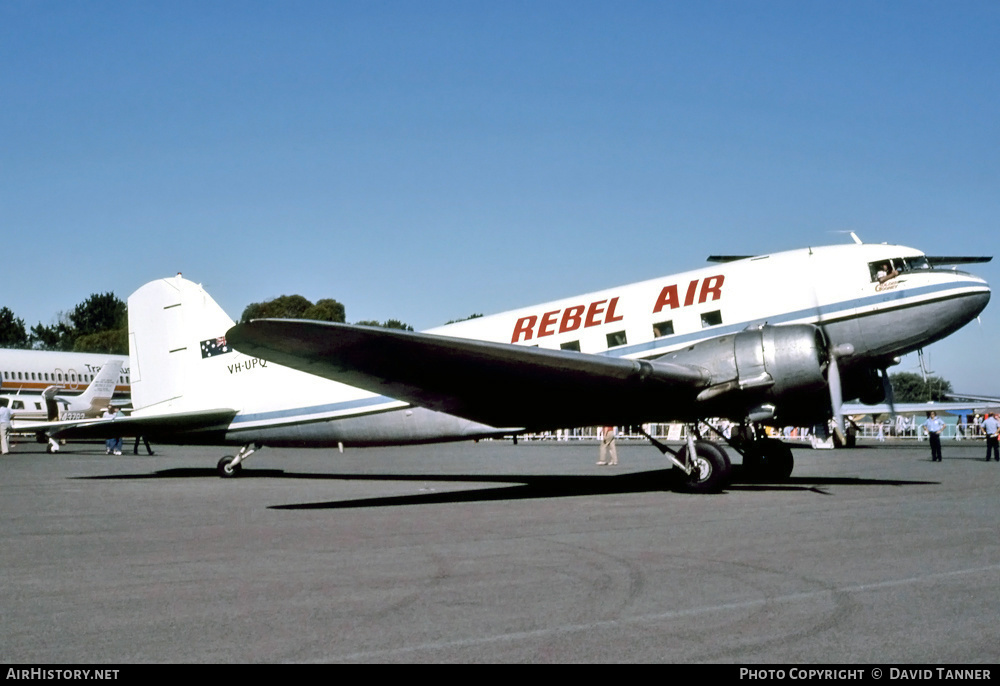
(887, 389)
(836, 395)
(833, 382)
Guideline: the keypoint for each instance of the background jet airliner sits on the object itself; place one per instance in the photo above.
(779, 339)
(29, 372)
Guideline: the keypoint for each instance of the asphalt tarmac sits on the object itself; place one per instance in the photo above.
(491, 552)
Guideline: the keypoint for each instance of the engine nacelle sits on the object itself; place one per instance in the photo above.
(768, 373)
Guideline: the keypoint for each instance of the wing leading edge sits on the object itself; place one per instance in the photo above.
(495, 383)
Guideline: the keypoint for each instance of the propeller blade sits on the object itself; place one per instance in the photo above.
(887, 389)
(836, 398)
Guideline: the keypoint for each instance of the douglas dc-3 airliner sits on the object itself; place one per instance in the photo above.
(776, 339)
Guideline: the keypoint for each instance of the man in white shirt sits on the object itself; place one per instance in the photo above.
(934, 426)
(4, 426)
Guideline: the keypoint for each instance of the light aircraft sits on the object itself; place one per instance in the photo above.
(778, 339)
(53, 405)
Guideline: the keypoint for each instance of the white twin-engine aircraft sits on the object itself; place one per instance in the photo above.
(776, 339)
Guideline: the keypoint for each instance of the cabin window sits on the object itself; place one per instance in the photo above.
(18, 405)
(713, 318)
(663, 329)
(617, 338)
(571, 345)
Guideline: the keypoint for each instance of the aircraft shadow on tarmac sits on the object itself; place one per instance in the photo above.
(514, 486)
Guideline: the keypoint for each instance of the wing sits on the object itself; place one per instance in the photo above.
(494, 383)
(938, 260)
(165, 426)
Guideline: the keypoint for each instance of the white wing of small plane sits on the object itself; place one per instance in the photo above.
(495, 383)
(204, 422)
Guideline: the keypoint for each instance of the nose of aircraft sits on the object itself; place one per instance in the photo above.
(971, 303)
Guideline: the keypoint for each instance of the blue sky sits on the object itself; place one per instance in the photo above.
(427, 160)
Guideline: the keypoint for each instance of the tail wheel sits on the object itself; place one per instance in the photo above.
(226, 469)
(711, 468)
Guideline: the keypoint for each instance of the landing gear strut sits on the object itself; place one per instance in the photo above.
(709, 470)
(230, 466)
(702, 466)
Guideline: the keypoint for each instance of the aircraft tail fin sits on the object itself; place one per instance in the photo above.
(100, 391)
(173, 326)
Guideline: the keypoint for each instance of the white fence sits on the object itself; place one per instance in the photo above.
(874, 431)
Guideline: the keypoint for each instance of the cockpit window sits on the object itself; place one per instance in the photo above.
(883, 270)
(912, 264)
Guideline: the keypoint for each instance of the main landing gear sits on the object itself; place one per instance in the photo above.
(703, 466)
(767, 459)
(231, 465)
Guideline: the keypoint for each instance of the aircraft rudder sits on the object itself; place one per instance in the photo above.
(169, 322)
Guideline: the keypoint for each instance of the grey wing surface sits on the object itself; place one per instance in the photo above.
(494, 383)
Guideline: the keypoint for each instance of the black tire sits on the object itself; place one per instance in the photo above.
(712, 469)
(768, 460)
(226, 471)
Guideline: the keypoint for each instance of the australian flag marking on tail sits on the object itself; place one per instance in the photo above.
(214, 347)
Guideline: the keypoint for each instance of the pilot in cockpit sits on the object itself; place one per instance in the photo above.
(884, 273)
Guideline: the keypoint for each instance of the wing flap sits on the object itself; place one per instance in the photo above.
(494, 383)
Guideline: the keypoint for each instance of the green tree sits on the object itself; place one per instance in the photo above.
(102, 316)
(388, 324)
(12, 332)
(98, 313)
(284, 307)
(471, 316)
(58, 336)
(326, 310)
(113, 341)
(908, 387)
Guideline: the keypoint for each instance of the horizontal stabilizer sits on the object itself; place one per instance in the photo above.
(495, 383)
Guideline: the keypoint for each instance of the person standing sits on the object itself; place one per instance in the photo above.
(5, 416)
(135, 448)
(608, 445)
(113, 446)
(991, 426)
(934, 426)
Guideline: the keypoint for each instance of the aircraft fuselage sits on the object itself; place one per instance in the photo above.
(870, 320)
